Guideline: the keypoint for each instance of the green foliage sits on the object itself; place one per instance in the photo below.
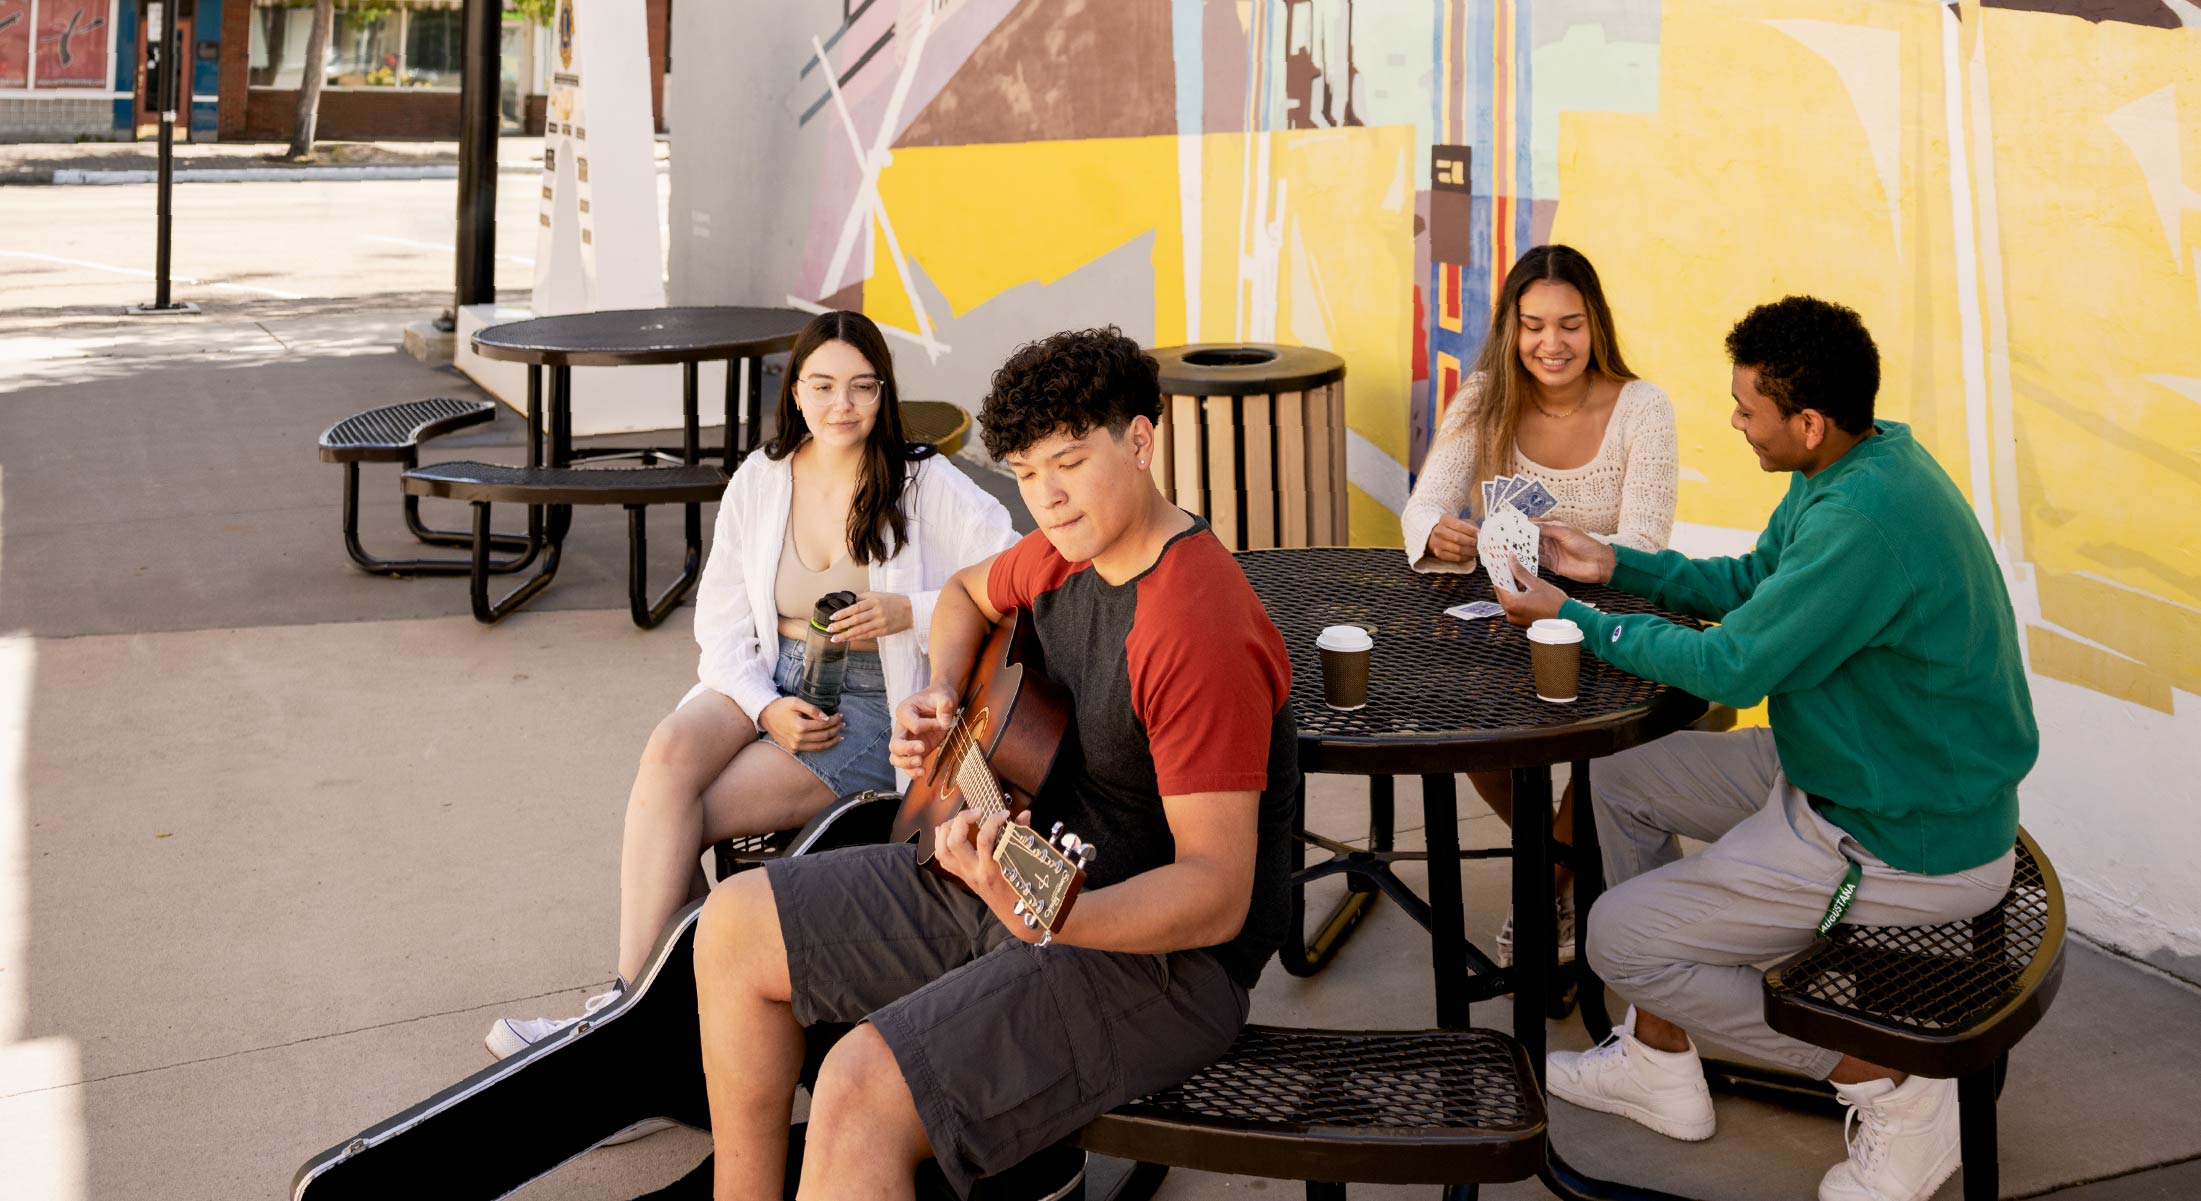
(541, 12)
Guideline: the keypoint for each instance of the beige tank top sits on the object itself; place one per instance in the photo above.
(796, 588)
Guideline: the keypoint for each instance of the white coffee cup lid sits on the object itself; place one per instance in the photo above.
(1554, 631)
(1344, 638)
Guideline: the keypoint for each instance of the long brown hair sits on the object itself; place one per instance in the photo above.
(1506, 384)
(877, 528)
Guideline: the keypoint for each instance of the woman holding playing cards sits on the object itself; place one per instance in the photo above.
(1552, 422)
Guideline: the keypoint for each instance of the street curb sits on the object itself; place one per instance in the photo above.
(86, 176)
(79, 175)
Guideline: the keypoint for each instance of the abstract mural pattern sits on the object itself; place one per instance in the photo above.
(2008, 190)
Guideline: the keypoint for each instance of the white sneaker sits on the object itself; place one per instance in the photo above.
(510, 1036)
(1564, 924)
(1902, 1140)
(1663, 1090)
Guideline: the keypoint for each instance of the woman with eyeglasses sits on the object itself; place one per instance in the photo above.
(837, 502)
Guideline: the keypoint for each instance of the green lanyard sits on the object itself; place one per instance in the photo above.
(1839, 905)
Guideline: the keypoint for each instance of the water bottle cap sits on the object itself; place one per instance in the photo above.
(827, 606)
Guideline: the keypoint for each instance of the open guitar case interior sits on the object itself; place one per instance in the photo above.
(517, 1120)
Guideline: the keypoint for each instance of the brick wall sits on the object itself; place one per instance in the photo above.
(57, 119)
(356, 115)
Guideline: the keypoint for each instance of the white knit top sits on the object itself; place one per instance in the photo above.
(1624, 494)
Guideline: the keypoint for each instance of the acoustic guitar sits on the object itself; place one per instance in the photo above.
(995, 757)
(516, 1120)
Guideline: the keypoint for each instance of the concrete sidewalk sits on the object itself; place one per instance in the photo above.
(236, 162)
(278, 839)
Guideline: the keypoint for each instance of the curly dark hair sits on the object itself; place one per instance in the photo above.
(1070, 383)
(1810, 354)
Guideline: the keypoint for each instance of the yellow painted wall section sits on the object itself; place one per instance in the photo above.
(1340, 208)
(2104, 301)
(979, 220)
(1728, 197)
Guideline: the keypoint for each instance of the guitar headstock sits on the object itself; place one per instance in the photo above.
(1044, 872)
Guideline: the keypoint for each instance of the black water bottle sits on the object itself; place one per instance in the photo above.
(824, 661)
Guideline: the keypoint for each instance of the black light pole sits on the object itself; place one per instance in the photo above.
(477, 212)
(166, 84)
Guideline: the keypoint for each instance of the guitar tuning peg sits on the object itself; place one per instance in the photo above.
(1070, 844)
(1086, 852)
(1031, 921)
(1054, 835)
(1019, 910)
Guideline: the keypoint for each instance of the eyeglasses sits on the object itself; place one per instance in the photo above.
(862, 392)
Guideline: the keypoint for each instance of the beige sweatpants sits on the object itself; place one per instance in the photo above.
(1689, 938)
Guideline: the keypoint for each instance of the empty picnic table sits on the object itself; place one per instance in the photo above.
(549, 484)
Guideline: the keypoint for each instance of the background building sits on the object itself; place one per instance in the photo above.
(74, 69)
(393, 69)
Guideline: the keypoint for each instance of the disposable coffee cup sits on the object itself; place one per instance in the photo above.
(1555, 652)
(1344, 651)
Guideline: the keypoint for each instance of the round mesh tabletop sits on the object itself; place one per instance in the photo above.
(625, 337)
(1444, 695)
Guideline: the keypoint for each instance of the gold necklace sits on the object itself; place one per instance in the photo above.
(1559, 416)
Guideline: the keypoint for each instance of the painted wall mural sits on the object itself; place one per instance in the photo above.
(2009, 191)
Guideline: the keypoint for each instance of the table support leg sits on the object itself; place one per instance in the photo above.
(730, 453)
(1302, 956)
(689, 417)
(1589, 884)
(1533, 917)
(486, 611)
(1447, 924)
(646, 612)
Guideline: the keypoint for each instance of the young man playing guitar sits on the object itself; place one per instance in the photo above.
(979, 1047)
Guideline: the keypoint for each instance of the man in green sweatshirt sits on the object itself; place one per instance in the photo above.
(1872, 617)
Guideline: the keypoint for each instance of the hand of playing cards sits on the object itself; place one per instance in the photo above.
(1510, 503)
(1529, 496)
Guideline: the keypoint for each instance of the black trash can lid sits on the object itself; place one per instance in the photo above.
(1240, 368)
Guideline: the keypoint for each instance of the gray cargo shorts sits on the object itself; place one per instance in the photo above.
(1007, 1048)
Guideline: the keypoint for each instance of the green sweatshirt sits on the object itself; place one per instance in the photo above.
(1873, 617)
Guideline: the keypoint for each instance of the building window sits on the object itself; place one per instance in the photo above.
(56, 43)
(372, 44)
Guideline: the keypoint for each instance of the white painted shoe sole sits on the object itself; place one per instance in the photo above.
(502, 1040)
(1694, 1130)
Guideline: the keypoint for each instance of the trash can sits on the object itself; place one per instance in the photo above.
(1253, 439)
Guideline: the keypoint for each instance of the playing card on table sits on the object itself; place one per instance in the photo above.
(1475, 610)
(1534, 499)
(1510, 532)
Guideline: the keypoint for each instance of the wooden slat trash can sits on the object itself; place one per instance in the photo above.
(1253, 439)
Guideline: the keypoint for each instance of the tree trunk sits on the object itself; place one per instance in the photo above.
(309, 83)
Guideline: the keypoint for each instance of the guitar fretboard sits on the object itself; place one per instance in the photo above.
(972, 775)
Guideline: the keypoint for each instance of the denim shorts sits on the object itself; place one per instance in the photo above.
(859, 760)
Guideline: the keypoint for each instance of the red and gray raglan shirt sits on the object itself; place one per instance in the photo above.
(1180, 684)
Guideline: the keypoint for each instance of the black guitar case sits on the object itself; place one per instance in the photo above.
(634, 1059)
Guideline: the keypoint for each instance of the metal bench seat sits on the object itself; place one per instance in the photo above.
(499, 483)
(551, 491)
(1330, 1107)
(1946, 1001)
(393, 434)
